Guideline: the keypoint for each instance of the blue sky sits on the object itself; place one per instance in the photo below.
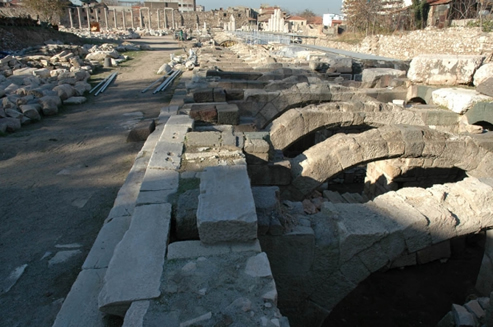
(317, 6)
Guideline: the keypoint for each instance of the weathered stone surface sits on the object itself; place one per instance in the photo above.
(204, 113)
(50, 104)
(486, 87)
(458, 100)
(75, 100)
(80, 307)
(462, 317)
(258, 266)
(444, 69)
(109, 236)
(196, 249)
(483, 73)
(64, 91)
(13, 124)
(226, 209)
(227, 114)
(203, 139)
(30, 111)
(135, 314)
(134, 272)
(373, 77)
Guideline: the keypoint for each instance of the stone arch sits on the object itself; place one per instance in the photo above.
(396, 225)
(267, 106)
(417, 100)
(326, 159)
(295, 123)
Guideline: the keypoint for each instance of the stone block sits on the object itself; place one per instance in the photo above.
(375, 77)
(462, 317)
(204, 113)
(481, 111)
(228, 114)
(486, 87)
(458, 100)
(404, 261)
(256, 145)
(134, 272)
(177, 126)
(226, 209)
(257, 158)
(234, 94)
(203, 139)
(409, 221)
(80, 307)
(141, 131)
(203, 95)
(195, 249)
(136, 314)
(166, 155)
(483, 73)
(476, 309)
(218, 95)
(109, 236)
(435, 69)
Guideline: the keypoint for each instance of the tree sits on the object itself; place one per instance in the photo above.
(47, 10)
(307, 13)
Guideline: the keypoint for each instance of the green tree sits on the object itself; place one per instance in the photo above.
(47, 10)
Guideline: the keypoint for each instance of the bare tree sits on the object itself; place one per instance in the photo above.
(464, 9)
(47, 10)
(307, 13)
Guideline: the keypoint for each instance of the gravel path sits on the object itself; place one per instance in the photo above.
(58, 180)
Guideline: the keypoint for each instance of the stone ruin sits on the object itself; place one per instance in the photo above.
(229, 216)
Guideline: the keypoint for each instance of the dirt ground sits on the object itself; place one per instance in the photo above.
(58, 180)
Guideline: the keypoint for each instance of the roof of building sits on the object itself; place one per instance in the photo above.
(317, 20)
(295, 18)
(438, 2)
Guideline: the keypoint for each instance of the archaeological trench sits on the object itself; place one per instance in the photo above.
(280, 178)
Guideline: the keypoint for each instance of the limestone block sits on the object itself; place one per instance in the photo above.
(373, 77)
(444, 69)
(410, 222)
(481, 111)
(13, 113)
(50, 104)
(483, 73)
(166, 155)
(75, 100)
(80, 307)
(256, 146)
(458, 100)
(134, 272)
(31, 111)
(258, 266)
(109, 236)
(476, 309)
(462, 317)
(203, 139)
(196, 249)
(404, 261)
(204, 113)
(203, 95)
(226, 209)
(186, 215)
(177, 126)
(360, 227)
(135, 314)
(218, 95)
(64, 91)
(486, 87)
(441, 221)
(42, 73)
(228, 114)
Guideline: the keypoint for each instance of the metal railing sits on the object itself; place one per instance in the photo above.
(256, 37)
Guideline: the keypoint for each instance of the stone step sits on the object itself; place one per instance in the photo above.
(226, 211)
(333, 196)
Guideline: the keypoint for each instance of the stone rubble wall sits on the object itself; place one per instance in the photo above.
(407, 45)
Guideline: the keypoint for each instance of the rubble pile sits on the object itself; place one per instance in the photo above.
(38, 80)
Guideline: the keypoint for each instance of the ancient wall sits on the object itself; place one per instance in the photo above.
(406, 45)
